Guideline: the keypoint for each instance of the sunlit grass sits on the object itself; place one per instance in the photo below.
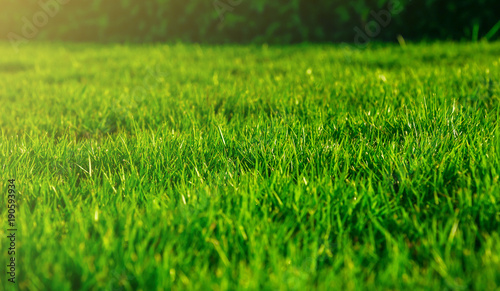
(249, 167)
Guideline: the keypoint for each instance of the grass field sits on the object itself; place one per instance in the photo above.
(252, 167)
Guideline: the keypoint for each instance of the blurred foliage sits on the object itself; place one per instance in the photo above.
(242, 21)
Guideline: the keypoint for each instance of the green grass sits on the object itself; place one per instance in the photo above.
(249, 167)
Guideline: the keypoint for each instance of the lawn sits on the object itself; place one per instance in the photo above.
(157, 167)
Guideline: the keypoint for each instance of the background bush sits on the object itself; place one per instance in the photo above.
(279, 21)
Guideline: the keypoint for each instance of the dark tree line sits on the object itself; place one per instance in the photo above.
(243, 21)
